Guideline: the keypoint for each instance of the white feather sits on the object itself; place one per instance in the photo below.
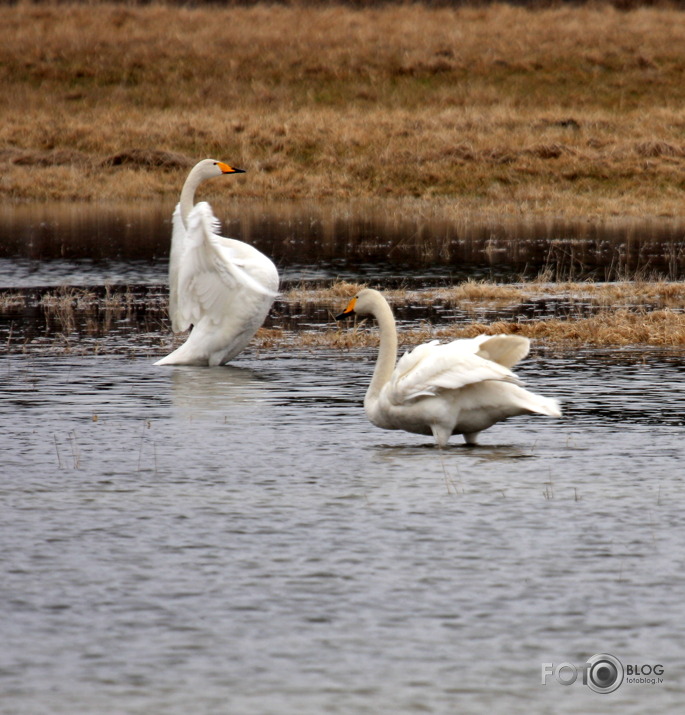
(178, 233)
(432, 367)
(222, 287)
(462, 387)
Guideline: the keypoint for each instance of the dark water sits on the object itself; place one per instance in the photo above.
(241, 540)
(48, 245)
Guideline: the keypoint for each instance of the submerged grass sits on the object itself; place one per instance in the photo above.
(117, 320)
(628, 313)
(661, 328)
(635, 294)
(573, 110)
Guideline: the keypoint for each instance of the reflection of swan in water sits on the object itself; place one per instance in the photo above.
(487, 453)
(211, 392)
(462, 387)
(221, 287)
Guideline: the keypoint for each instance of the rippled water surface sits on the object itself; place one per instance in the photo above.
(241, 540)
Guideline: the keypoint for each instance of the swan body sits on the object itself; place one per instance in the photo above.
(221, 287)
(461, 387)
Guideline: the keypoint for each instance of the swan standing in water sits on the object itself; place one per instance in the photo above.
(462, 387)
(222, 287)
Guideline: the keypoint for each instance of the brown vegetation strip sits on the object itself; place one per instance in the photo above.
(619, 327)
(611, 326)
(573, 111)
(662, 328)
(639, 295)
(85, 320)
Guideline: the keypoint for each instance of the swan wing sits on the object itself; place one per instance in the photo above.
(211, 271)
(178, 235)
(247, 265)
(431, 368)
(506, 350)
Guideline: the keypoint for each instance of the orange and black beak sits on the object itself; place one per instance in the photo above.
(226, 169)
(348, 311)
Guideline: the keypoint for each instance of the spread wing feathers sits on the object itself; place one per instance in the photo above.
(178, 232)
(431, 368)
(506, 350)
(211, 272)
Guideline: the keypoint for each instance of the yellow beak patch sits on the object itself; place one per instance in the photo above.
(226, 169)
(350, 306)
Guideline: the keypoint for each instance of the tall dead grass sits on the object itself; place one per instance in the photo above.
(664, 328)
(565, 110)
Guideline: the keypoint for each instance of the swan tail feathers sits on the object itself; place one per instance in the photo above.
(551, 407)
(542, 405)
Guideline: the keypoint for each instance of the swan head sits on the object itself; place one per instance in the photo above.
(366, 302)
(207, 168)
(203, 170)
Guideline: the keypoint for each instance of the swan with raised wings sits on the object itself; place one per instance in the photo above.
(221, 287)
(461, 387)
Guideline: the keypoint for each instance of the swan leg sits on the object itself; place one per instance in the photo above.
(471, 438)
(441, 435)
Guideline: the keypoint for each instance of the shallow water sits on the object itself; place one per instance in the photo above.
(241, 540)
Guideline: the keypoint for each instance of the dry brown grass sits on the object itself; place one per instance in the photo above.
(339, 291)
(659, 328)
(611, 327)
(638, 294)
(630, 313)
(470, 291)
(573, 111)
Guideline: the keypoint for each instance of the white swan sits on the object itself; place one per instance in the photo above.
(222, 287)
(462, 387)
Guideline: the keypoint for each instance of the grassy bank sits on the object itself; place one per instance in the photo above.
(571, 111)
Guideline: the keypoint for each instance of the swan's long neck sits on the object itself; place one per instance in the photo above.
(387, 350)
(195, 178)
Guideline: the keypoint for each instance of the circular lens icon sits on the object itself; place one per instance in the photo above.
(605, 673)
